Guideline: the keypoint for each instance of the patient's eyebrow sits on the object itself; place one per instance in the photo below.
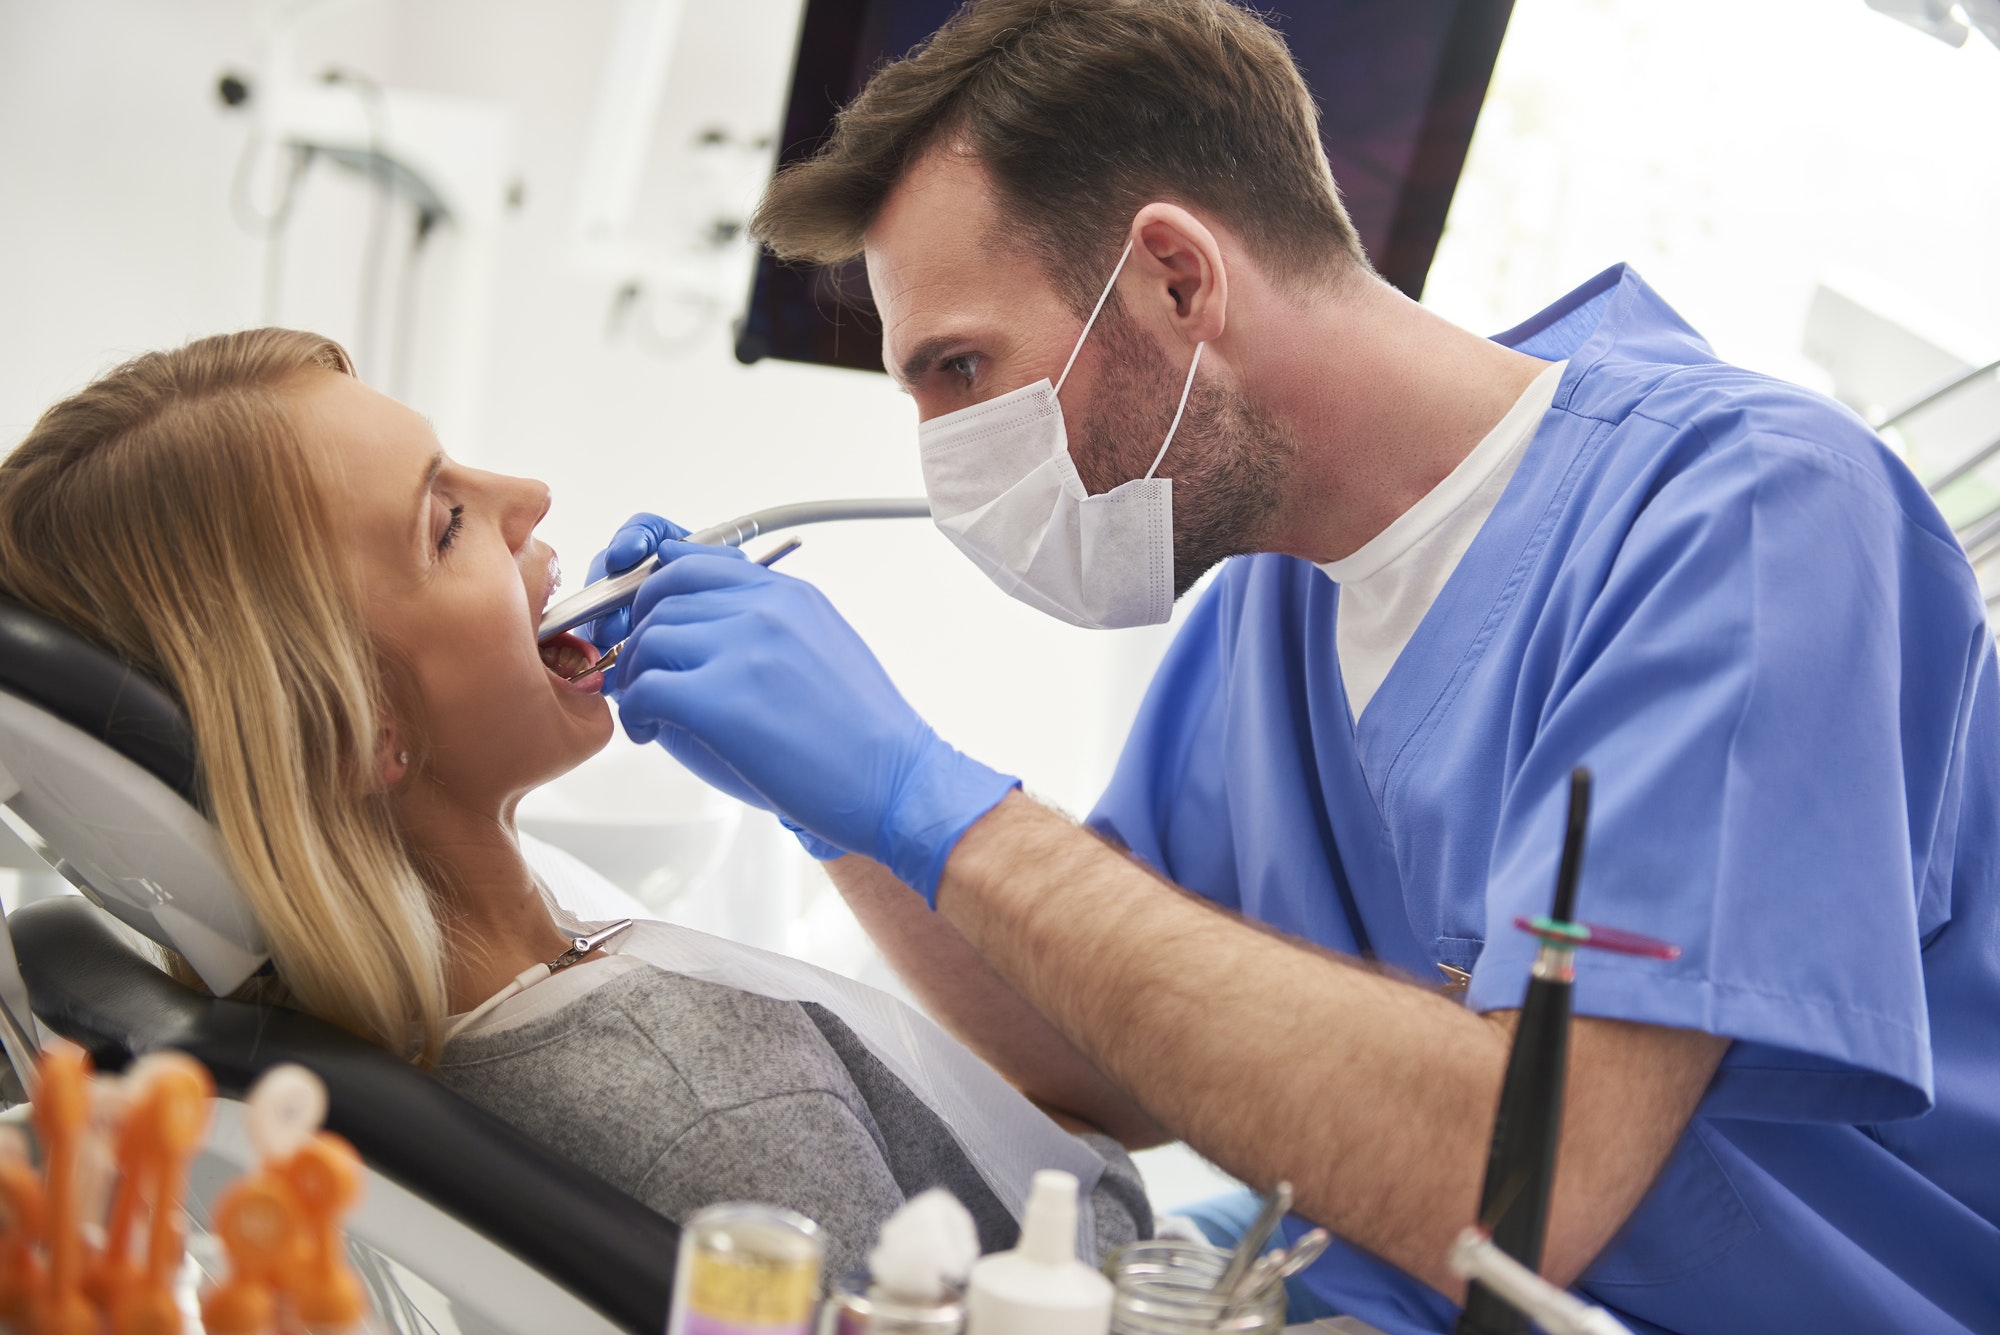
(431, 471)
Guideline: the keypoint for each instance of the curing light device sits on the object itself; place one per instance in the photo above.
(615, 591)
(1521, 1166)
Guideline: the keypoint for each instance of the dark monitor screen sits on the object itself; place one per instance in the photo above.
(1399, 84)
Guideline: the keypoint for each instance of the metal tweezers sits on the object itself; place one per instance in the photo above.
(579, 946)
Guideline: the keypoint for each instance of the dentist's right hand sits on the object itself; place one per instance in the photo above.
(751, 670)
(636, 539)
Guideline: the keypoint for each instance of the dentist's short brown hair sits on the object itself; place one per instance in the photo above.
(1082, 112)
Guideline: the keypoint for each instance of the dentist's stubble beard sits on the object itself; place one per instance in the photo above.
(1229, 461)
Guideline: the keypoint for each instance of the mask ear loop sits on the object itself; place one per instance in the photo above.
(1186, 386)
(1102, 297)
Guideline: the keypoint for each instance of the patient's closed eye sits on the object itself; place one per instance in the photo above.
(451, 529)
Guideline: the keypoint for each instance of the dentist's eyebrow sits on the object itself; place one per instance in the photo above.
(925, 357)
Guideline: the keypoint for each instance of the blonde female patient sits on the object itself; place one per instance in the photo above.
(348, 617)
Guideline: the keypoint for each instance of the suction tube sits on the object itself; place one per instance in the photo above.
(615, 591)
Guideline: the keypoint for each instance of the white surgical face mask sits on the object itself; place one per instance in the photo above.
(1004, 489)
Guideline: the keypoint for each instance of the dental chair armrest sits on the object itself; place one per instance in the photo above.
(89, 985)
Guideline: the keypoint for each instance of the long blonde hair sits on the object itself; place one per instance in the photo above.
(170, 514)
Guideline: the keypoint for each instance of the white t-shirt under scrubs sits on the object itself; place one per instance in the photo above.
(1392, 580)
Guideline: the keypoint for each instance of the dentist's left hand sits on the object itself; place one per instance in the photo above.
(735, 665)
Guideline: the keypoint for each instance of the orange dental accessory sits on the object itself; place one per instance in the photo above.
(257, 1220)
(21, 1219)
(120, 1150)
(280, 1223)
(61, 1109)
(325, 1176)
(164, 1122)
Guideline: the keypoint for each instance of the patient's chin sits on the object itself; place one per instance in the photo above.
(515, 741)
(511, 777)
(607, 728)
(588, 727)
(595, 733)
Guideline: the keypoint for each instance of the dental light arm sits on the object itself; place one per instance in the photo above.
(615, 591)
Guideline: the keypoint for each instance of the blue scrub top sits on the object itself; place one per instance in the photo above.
(1725, 596)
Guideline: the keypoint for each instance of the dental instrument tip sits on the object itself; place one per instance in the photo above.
(780, 552)
(603, 664)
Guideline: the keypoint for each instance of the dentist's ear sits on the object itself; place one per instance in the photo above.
(1180, 264)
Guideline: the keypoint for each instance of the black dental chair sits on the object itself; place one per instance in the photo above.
(87, 982)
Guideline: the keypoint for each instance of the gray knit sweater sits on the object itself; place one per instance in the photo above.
(686, 1093)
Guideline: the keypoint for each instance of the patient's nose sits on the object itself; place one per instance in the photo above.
(526, 505)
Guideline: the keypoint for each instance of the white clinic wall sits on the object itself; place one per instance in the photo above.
(115, 162)
(1737, 152)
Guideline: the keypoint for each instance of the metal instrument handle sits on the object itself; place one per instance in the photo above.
(615, 591)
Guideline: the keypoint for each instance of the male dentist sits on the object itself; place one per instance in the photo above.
(1115, 276)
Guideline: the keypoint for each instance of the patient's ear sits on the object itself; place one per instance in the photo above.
(392, 761)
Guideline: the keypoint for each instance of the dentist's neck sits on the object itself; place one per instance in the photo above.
(1382, 397)
(495, 919)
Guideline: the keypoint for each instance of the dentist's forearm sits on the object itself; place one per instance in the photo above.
(965, 996)
(1277, 1060)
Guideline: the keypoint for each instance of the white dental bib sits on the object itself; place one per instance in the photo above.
(1004, 1136)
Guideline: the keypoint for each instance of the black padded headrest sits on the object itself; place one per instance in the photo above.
(88, 985)
(87, 688)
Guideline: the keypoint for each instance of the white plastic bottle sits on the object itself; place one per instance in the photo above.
(1040, 1288)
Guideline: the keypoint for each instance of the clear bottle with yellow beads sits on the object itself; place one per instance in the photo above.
(747, 1270)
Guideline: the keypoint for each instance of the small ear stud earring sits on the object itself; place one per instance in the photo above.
(402, 757)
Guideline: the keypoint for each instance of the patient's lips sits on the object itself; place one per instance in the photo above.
(567, 657)
(549, 588)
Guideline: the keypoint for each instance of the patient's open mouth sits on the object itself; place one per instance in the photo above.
(568, 654)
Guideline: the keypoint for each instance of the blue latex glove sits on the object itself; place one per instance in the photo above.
(753, 680)
(636, 539)
(813, 844)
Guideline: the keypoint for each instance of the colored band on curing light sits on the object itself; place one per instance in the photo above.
(1590, 936)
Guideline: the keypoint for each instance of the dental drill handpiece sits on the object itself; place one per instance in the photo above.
(616, 591)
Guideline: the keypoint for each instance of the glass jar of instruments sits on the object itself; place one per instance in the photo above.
(1168, 1288)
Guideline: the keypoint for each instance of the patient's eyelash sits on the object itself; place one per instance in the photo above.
(451, 529)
